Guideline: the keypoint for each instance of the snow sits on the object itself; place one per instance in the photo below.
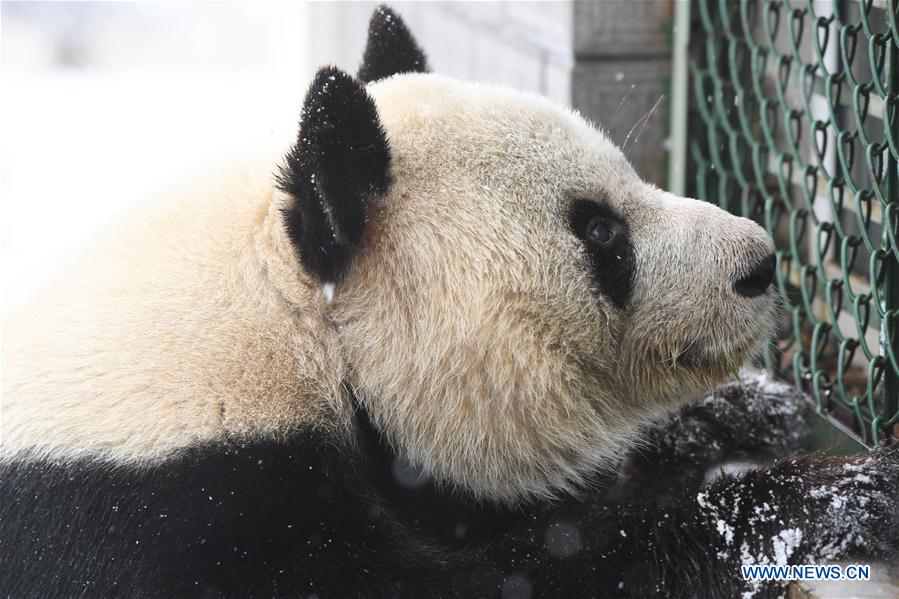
(884, 584)
(563, 539)
(328, 292)
(785, 544)
(725, 531)
(516, 586)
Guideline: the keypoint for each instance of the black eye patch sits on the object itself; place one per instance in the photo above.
(607, 240)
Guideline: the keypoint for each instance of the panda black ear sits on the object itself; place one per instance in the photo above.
(390, 49)
(337, 167)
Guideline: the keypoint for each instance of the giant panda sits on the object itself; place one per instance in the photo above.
(436, 347)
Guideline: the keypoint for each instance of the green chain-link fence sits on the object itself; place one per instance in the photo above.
(794, 113)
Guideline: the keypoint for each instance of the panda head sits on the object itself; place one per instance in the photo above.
(511, 300)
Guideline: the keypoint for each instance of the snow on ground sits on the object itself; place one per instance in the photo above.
(884, 584)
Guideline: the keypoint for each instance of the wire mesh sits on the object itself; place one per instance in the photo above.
(794, 124)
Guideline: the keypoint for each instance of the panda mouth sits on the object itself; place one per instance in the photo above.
(692, 354)
(716, 356)
(696, 354)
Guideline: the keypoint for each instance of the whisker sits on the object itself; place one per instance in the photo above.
(644, 120)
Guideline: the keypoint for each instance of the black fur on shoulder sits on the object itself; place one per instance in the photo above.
(390, 49)
(338, 165)
(311, 514)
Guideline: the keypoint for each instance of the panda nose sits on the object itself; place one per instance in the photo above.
(758, 280)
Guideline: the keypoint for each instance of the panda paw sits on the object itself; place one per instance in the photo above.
(803, 509)
(752, 415)
(756, 413)
(859, 497)
(839, 507)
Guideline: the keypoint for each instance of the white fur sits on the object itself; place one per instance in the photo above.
(468, 323)
(188, 319)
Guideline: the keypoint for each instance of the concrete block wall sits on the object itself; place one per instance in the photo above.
(622, 76)
(526, 45)
(609, 59)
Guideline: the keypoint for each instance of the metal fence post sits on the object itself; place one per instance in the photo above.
(680, 96)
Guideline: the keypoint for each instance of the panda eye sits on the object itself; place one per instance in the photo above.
(599, 231)
(605, 237)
